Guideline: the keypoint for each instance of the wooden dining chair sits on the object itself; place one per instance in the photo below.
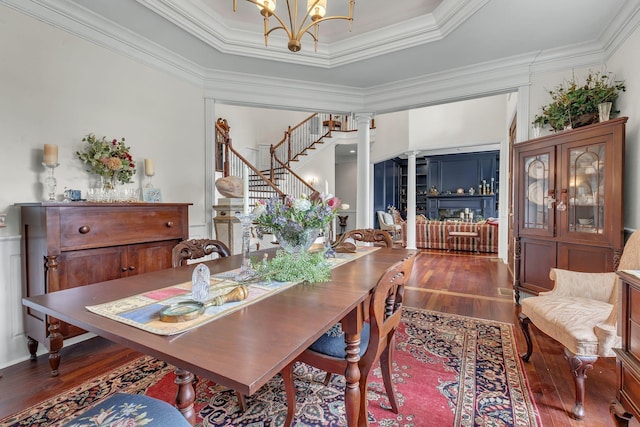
(372, 235)
(376, 341)
(196, 249)
(199, 248)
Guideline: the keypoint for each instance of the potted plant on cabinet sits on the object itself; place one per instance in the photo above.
(577, 105)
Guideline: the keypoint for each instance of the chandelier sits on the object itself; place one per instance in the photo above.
(313, 15)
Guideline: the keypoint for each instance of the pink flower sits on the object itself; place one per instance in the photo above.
(333, 203)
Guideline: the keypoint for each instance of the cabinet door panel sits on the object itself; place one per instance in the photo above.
(585, 189)
(148, 257)
(80, 268)
(588, 259)
(536, 182)
(538, 257)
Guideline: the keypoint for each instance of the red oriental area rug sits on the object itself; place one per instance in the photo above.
(449, 371)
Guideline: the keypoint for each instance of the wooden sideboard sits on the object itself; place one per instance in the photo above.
(65, 245)
(628, 357)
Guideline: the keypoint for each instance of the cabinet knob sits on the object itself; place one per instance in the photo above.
(123, 269)
(131, 268)
(84, 229)
(170, 224)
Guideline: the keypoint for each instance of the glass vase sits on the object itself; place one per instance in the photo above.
(295, 240)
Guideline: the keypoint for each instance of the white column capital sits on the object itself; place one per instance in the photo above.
(364, 117)
(413, 153)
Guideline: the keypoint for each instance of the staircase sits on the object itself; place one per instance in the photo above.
(279, 179)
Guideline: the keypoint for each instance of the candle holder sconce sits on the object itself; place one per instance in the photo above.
(50, 181)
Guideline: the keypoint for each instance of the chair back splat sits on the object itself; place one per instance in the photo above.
(371, 235)
(377, 341)
(196, 249)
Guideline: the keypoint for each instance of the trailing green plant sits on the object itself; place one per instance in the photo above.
(576, 105)
(285, 267)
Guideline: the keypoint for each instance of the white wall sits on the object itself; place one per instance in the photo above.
(625, 64)
(392, 136)
(56, 88)
(458, 124)
(251, 127)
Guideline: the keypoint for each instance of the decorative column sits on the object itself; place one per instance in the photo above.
(411, 199)
(364, 209)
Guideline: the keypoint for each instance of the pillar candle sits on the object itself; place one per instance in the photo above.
(148, 167)
(245, 190)
(326, 187)
(50, 154)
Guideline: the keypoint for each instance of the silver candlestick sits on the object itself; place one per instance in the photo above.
(246, 220)
(50, 180)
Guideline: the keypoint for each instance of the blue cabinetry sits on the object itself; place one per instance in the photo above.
(451, 176)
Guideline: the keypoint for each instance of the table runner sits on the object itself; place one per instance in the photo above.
(143, 310)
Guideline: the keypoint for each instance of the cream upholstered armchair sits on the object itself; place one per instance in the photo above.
(581, 313)
(387, 223)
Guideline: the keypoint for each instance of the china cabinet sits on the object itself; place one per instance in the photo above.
(65, 245)
(568, 203)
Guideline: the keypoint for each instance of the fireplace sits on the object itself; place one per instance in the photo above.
(451, 206)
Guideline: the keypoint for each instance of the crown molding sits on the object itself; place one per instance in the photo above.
(273, 92)
(81, 22)
(488, 78)
(196, 18)
(623, 25)
(505, 75)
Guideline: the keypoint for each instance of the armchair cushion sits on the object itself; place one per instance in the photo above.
(578, 323)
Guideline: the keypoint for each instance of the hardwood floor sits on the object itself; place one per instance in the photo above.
(457, 283)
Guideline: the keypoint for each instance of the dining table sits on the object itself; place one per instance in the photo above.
(244, 349)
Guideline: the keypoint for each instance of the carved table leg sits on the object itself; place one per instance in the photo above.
(524, 325)
(620, 416)
(579, 365)
(186, 395)
(32, 346)
(55, 345)
(352, 375)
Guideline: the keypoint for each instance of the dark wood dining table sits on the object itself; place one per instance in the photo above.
(246, 348)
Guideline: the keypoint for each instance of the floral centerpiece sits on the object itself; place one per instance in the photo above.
(296, 222)
(110, 159)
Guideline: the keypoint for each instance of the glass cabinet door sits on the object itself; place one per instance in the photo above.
(586, 192)
(537, 203)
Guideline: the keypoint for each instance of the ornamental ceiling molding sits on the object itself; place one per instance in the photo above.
(197, 19)
(477, 80)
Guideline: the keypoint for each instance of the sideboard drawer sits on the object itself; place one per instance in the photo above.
(96, 227)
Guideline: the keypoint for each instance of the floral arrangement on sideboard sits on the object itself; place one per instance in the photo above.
(574, 104)
(109, 159)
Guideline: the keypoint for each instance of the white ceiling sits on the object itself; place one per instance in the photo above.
(390, 41)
